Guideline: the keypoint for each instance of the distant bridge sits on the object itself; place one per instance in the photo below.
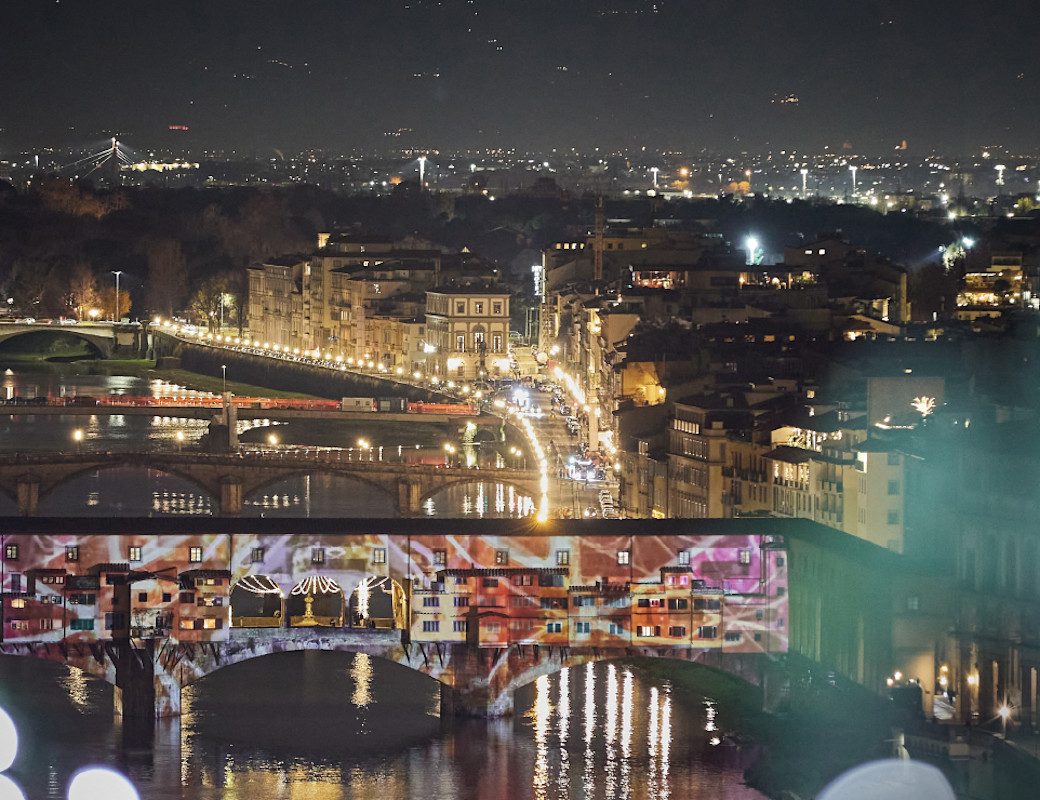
(230, 479)
(109, 339)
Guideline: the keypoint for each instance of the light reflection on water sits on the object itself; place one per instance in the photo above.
(334, 726)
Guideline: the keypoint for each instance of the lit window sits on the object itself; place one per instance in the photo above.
(18, 602)
(745, 556)
(210, 623)
(563, 558)
(440, 557)
(379, 555)
(195, 554)
(11, 552)
(501, 558)
(623, 558)
(134, 554)
(72, 553)
(684, 558)
(318, 555)
(257, 555)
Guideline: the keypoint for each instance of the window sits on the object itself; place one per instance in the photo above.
(623, 558)
(583, 627)
(82, 625)
(187, 625)
(732, 636)
(648, 630)
(460, 626)
(523, 580)
(496, 343)
(134, 553)
(563, 558)
(553, 602)
(52, 579)
(493, 627)
(684, 558)
(490, 583)
(72, 553)
(115, 620)
(460, 307)
(440, 557)
(677, 630)
(616, 629)
(317, 555)
(461, 601)
(81, 599)
(780, 561)
(16, 582)
(167, 597)
(431, 602)
(893, 517)
(551, 581)
(187, 598)
(195, 554)
(745, 557)
(142, 597)
(11, 552)
(19, 602)
(379, 555)
(478, 307)
(431, 626)
(501, 558)
(46, 624)
(913, 603)
(210, 623)
(496, 308)
(893, 487)
(707, 632)
(554, 627)
(781, 591)
(707, 604)
(257, 556)
(460, 343)
(677, 603)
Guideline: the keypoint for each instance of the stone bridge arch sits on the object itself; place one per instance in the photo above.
(267, 482)
(101, 346)
(135, 461)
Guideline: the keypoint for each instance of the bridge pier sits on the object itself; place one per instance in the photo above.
(409, 496)
(230, 497)
(28, 496)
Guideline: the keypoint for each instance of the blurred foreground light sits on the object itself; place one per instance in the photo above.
(9, 789)
(8, 741)
(97, 782)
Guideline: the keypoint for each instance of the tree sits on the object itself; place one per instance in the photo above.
(108, 303)
(83, 291)
(167, 275)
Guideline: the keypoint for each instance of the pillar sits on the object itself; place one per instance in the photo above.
(230, 497)
(28, 496)
(134, 693)
(409, 497)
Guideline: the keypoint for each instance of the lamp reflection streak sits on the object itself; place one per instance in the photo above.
(589, 780)
(563, 714)
(666, 742)
(651, 745)
(626, 735)
(361, 674)
(542, 713)
(610, 732)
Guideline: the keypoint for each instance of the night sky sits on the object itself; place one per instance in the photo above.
(347, 75)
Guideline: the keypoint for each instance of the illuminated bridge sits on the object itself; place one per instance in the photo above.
(232, 478)
(152, 605)
(108, 339)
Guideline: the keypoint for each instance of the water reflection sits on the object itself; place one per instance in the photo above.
(126, 492)
(484, 500)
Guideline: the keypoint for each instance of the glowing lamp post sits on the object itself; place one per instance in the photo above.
(77, 436)
(117, 273)
(1004, 712)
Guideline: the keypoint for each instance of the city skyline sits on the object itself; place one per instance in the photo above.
(616, 74)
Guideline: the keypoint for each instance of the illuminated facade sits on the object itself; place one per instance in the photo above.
(716, 593)
(468, 330)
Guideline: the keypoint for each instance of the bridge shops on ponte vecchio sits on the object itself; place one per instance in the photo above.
(483, 606)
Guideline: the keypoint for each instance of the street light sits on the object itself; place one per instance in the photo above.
(77, 435)
(117, 273)
(1005, 714)
(272, 440)
(223, 370)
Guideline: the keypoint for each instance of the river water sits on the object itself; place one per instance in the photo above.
(142, 492)
(331, 726)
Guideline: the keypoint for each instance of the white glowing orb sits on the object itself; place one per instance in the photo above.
(98, 782)
(8, 741)
(9, 789)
